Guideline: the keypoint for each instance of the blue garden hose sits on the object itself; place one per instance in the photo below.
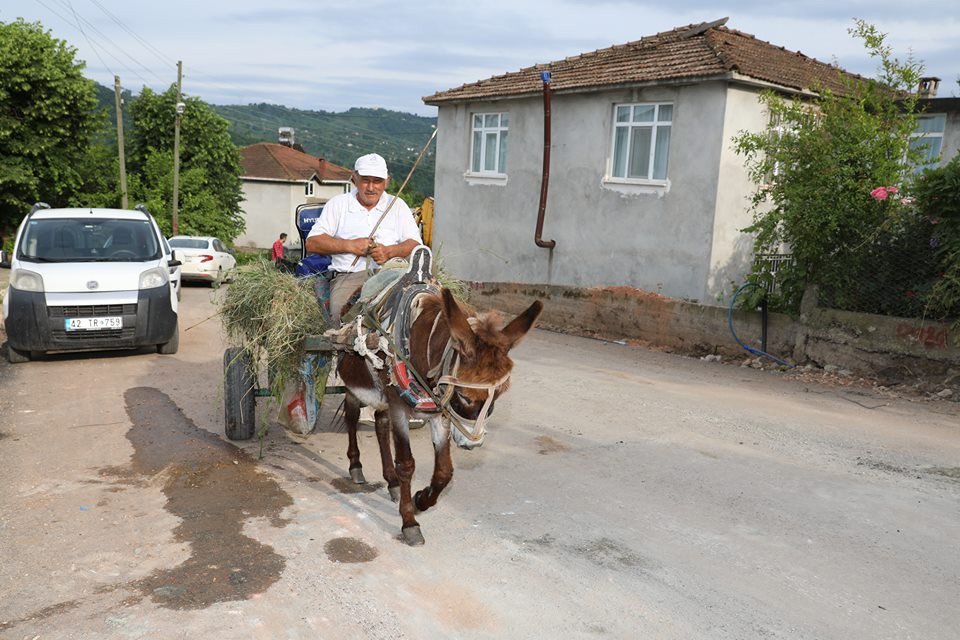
(749, 349)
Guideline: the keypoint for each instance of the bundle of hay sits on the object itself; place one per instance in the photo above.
(270, 313)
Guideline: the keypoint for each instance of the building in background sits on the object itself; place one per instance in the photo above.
(276, 178)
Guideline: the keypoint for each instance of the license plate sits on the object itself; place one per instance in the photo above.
(93, 324)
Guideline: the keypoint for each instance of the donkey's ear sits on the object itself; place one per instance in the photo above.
(460, 329)
(520, 325)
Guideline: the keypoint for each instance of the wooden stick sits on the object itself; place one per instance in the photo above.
(399, 191)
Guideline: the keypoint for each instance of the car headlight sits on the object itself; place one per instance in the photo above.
(26, 280)
(153, 278)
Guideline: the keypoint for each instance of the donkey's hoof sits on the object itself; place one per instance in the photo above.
(412, 536)
(356, 474)
(394, 493)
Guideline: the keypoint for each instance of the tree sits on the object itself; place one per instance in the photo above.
(210, 188)
(47, 118)
(816, 171)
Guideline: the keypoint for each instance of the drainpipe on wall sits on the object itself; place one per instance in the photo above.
(545, 179)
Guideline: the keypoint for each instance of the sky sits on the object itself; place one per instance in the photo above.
(320, 55)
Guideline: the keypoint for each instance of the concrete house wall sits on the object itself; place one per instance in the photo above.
(680, 239)
(269, 208)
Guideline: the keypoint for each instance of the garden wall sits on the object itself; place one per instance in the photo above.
(891, 349)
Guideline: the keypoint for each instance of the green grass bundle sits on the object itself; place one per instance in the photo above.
(270, 313)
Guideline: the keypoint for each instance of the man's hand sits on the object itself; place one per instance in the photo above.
(381, 253)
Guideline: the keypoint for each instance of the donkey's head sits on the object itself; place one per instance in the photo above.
(485, 365)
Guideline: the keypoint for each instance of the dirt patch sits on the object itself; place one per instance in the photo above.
(548, 445)
(349, 550)
(42, 614)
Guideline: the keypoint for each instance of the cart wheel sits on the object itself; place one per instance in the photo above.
(239, 397)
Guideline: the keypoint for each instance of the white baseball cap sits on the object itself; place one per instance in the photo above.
(371, 164)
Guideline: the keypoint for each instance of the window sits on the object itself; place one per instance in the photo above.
(641, 140)
(308, 189)
(928, 139)
(489, 154)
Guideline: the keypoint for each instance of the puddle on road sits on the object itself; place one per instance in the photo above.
(349, 550)
(213, 487)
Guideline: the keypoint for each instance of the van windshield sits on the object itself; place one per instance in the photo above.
(88, 240)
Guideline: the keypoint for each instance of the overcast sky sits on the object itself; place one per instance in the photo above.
(315, 54)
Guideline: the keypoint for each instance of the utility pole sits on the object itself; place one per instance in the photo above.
(175, 223)
(123, 162)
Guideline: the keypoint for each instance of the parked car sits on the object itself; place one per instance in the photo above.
(83, 279)
(205, 259)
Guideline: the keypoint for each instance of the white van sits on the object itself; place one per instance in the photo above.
(86, 279)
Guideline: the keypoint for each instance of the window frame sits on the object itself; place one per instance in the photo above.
(654, 124)
(500, 131)
(917, 135)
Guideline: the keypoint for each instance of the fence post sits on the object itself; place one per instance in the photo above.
(808, 317)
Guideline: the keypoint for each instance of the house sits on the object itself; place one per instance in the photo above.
(276, 178)
(645, 188)
(939, 124)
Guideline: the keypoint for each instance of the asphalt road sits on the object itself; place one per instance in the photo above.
(621, 493)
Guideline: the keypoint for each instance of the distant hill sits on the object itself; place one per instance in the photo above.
(342, 136)
(337, 136)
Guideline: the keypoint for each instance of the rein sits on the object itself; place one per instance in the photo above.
(448, 367)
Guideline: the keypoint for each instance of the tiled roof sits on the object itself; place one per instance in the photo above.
(700, 51)
(280, 162)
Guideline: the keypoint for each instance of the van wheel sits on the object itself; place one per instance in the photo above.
(171, 347)
(239, 394)
(15, 356)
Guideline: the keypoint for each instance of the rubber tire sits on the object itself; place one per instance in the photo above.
(239, 398)
(15, 356)
(216, 282)
(171, 347)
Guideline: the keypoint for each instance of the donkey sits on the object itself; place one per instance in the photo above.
(464, 358)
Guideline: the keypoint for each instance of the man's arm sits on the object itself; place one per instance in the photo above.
(382, 253)
(328, 245)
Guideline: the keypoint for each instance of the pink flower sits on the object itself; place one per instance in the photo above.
(879, 194)
(892, 190)
(906, 200)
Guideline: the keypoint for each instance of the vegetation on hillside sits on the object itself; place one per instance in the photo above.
(58, 143)
(341, 137)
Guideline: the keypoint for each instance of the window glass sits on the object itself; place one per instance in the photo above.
(489, 143)
(643, 113)
(641, 141)
(490, 160)
(661, 153)
(477, 150)
(640, 153)
(89, 240)
(931, 124)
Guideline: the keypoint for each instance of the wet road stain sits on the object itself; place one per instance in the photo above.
(349, 550)
(346, 485)
(550, 445)
(214, 488)
(41, 614)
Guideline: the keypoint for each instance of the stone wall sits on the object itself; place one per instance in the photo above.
(892, 349)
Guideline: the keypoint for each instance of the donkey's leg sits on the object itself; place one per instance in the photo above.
(442, 465)
(351, 416)
(386, 454)
(405, 468)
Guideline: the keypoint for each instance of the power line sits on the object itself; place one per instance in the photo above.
(92, 46)
(149, 47)
(65, 4)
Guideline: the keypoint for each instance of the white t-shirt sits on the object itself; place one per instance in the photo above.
(345, 218)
